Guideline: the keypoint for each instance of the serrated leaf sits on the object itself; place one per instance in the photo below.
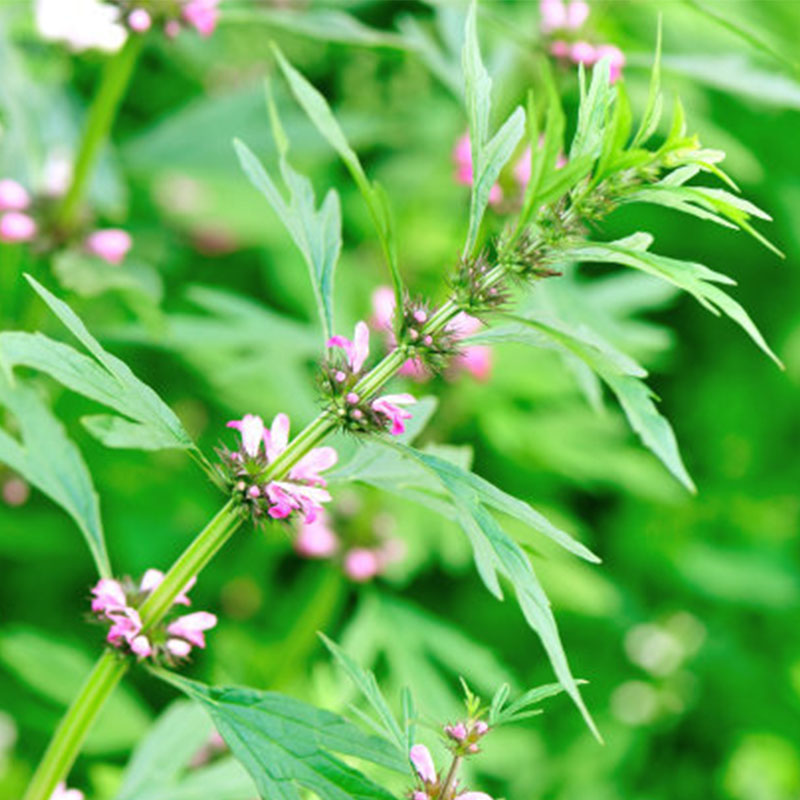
(317, 233)
(49, 460)
(368, 686)
(616, 369)
(496, 554)
(319, 112)
(489, 156)
(696, 279)
(285, 743)
(103, 377)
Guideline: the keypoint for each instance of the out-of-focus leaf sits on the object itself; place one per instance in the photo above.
(698, 280)
(177, 735)
(224, 779)
(150, 424)
(318, 110)
(36, 659)
(317, 233)
(502, 713)
(90, 276)
(619, 372)
(49, 460)
(489, 156)
(368, 686)
(285, 744)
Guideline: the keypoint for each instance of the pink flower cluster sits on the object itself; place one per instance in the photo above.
(202, 15)
(465, 735)
(361, 563)
(432, 787)
(567, 18)
(17, 225)
(113, 602)
(303, 490)
(389, 407)
(475, 359)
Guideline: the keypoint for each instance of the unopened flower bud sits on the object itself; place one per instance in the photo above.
(428, 340)
(352, 398)
(254, 492)
(111, 244)
(480, 727)
(361, 564)
(413, 333)
(357, 413)
(420, 316)
(339, 376)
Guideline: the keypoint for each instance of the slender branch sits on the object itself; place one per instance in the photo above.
(116, 76)
(449, 785)
(74, 727)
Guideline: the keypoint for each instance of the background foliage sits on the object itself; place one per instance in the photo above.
(686, 632)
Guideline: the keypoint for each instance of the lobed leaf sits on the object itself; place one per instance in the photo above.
(285, 743)
(49, 460)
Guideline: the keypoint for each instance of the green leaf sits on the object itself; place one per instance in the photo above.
(501, 714)
(592, 112)
(36, 658)
(496, 554)
(285, 744)
(318, 110)
(696, 279)
(616, 369)
(489, 156)
(368, 686)
(49, 460)
(317, 233)
(166, 750)
(149, 424)
(655, 100)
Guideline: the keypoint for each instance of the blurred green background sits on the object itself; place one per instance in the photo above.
(687, 633)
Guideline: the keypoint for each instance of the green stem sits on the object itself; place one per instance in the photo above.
(71, 732)
(189, 564)
(69, 736)
(116, 75)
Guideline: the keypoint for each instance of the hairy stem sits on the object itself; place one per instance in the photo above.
(116, 75)
(74, 727)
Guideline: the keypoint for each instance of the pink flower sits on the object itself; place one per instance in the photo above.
(462, 157)
(307, 469)
(389, 406)
(481, 727)
(361, 564)
(13, 196)
(423, 763)
(316, 539)
(287, 497)
(141, 646)
(127, 625)
(172, 28)
(577, 14)
(202, 15)
(356, 351)
(559, 48)
(616, 60)
(16, 227)
(108, 595)
(191, 626)
(583, 53)
(139, 20)
(553, 14)
(61, 792)
(277, 437)
(178, 648)
(476, 358)
(253, 432)
(417, 795)
(457, 732)
(474, 796)
(383, 305)
(522, 169)
(110, 244)
(153, 578)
